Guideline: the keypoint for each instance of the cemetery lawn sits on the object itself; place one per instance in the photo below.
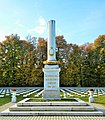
(4, 100)
(7, 99)
(98, 100)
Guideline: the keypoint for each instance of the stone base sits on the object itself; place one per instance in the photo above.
(51, 108)
(51, 94)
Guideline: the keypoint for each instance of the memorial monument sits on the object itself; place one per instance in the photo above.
(51, 66)
(51, 91)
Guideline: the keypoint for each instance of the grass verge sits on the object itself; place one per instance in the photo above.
(98, 100)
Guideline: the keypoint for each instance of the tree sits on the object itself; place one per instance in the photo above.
(99, 53)
(15, 61)
(21, 63)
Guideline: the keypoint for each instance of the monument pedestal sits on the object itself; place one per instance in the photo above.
(51, 95)
(51, 82)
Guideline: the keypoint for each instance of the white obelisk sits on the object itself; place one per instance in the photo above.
(51, 68)
(51, 48)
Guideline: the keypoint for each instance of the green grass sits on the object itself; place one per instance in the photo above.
(19, 98)
(5, 100)
(98, 100)
(41, 100)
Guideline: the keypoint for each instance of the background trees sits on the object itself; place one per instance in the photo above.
(84, 65)
(21, 63)
(18, 59)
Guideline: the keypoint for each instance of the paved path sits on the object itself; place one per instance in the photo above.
(99, 107)
(51, 117)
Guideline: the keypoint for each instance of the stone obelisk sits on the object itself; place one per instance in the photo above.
(51, 66)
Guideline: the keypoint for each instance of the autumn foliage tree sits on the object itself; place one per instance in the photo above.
(85, 65)
(17, 58)
(21, 64)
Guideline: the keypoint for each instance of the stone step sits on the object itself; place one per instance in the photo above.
(76, 102)
(52, 108)
(25, 107)
(51, 113)
(51, 104)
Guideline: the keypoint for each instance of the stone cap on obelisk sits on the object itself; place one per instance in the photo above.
(51, 44)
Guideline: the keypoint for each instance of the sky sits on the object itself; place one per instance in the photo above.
(79, 21)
